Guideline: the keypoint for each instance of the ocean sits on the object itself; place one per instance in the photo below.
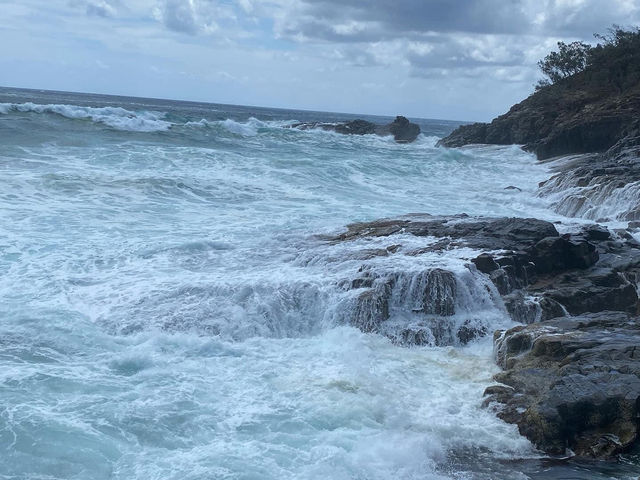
(170, 307)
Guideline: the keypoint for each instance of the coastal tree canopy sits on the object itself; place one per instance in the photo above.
(613, 63)
(570, 59)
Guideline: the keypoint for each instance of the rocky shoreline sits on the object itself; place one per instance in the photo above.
(571, 370)
(571, 379)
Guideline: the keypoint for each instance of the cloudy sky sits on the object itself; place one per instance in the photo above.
(450, 59)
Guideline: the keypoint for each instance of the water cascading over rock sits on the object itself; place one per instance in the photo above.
(430, 307)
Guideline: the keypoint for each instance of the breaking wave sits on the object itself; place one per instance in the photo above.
(115, 117)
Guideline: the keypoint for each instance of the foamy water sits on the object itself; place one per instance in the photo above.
(169, 312)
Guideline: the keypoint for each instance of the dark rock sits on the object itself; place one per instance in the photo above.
(558, 253)
(500, 279)
(520, 308)
(549, 308)
(478, 232)
(372, 307)
(356, 127)
(468, 332)
(539, 276)
(566, 118)
(439, 292)
(401, 128)
(474, 133)
(597, 299)
(485, 263)
(586, 183)
(596, 232)
(574, 383)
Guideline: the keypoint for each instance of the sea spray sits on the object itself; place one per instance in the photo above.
(171, 307)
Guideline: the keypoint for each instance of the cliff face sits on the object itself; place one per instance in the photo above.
(557, 120)
(585, 113)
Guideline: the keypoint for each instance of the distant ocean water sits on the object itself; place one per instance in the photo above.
(167, 310)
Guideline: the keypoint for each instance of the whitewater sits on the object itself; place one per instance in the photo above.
(170, 307)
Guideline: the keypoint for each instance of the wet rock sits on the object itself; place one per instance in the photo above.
(469, 331)
(597, 299)
(485, 263)
(574, 383)
(500, 279)
(520, 308)
(402, 130)
(439, 289)
(477, 232)
(559, 253)
(372, 307)
(596, 232)
(549, 308)
(588, 271)
(356, 127)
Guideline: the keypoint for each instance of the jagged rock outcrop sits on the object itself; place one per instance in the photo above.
(572, 375)
(558, 120)
(572, 383)
(402, 130)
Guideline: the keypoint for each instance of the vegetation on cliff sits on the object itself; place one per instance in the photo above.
(590, 103)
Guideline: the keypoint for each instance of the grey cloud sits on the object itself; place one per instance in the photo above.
(179, 15)
(384, 19)
(98, 8)
(464, 38)
(448, 51)
(583, 19)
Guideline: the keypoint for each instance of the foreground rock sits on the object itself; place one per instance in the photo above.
(572, 384)
(401, 128)
(539, 273)
(572, 378)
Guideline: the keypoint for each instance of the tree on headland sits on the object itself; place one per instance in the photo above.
(614, 61)
(570, 59)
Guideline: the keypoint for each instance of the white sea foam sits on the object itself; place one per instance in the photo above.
(115, 117)
(168, 312)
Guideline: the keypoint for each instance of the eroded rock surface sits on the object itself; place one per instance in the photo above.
(572, 372)
(572, 383)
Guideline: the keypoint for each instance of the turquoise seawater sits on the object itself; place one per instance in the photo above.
(168, 309)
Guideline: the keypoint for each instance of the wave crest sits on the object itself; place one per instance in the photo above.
(114, 117)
